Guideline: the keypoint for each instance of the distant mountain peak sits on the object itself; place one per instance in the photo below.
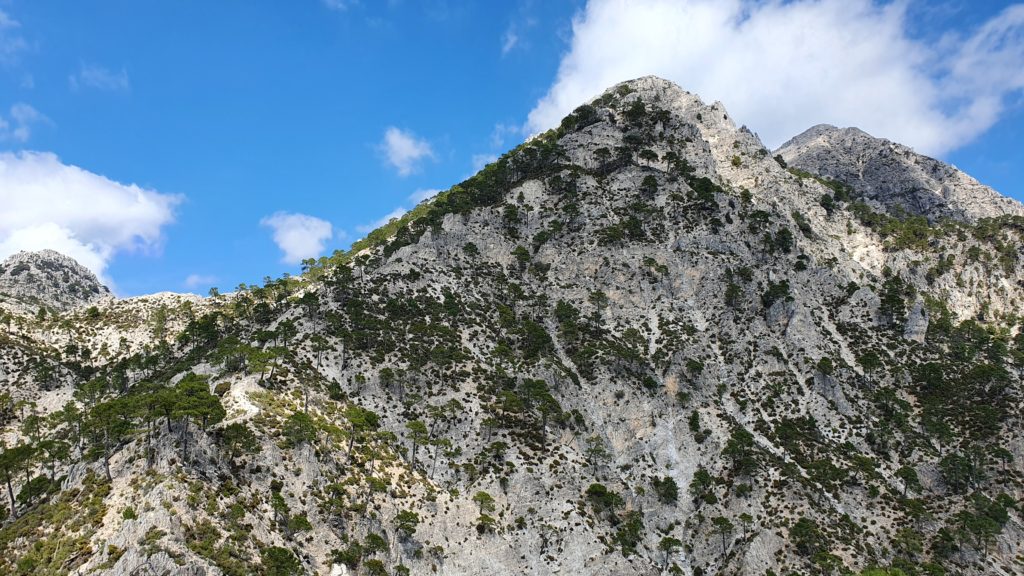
(47, 278)
(894, 176)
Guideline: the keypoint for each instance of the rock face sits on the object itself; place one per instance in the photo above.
(49, 279)
(634, 345)
(894, 176)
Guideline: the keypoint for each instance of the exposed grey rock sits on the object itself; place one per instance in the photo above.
(49, 279)
(894, 176)
(684, 292)
(916, 327)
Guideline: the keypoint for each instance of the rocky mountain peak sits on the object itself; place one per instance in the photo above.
(893, 176)
(47, 278)
(635, 344)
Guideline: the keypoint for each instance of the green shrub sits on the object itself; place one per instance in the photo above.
(666, 489)
(776, 291)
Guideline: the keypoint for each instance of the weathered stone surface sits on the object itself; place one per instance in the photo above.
(29, 280)
(677, 292)
(894, 176)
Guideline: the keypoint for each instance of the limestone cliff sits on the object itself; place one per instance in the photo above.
(635, 344)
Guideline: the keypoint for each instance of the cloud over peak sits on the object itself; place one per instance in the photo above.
(783, 66)
(49, 204)
(299, 236)
(404, 151)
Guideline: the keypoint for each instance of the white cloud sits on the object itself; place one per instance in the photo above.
(19, 127)
(481, 160)
(501, 132)
(516, 34)
(339, 5)
(422, 194)
(299, 236)
(6, 21)
(49, 204)
(415, 198)
(367, 228)
(99, 78)
(509, 41)
(11, 43)
(404, 151)
(781, 67)
(31, 237)
(198, 280)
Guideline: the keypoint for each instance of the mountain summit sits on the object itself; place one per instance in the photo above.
(49, 279)
(894, 176)
(636, 344)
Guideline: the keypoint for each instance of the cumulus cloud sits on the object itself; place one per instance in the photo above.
(781, 67)
(49, 204)
(197, 280)
(404, 151)
(99, 78)
(299, 236)
(18, 127)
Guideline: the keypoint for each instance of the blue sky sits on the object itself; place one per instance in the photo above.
(260, 132)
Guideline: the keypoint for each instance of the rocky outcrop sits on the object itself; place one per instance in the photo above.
(634, 345)
(49, 279)
(894, 176)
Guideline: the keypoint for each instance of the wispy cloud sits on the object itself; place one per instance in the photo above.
(404, 151)
(516, 34)
(367, 228)
(481, 160)
(6, 21)
(12, 44)
(338, 5)
(501, 132)
(422, 194)
(99, 78)
(509, 40)
(802, 62)
(299, 236)
(199, 280)
(415, 198)
(18, 125)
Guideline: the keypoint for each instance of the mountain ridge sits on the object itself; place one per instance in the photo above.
(635, 344)
(894, 176)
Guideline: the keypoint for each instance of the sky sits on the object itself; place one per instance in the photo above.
(180, 145)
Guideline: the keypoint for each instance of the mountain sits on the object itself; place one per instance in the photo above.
(49, 279)
(894, 176)
(635, 344)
